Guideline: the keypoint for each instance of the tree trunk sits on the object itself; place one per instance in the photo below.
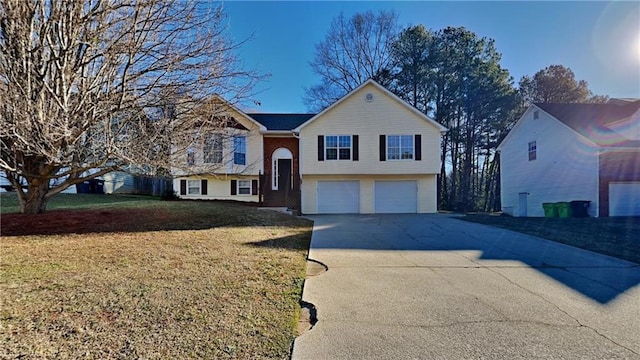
(442, 184)
(34, 201)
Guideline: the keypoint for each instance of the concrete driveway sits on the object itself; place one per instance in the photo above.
(435, 287)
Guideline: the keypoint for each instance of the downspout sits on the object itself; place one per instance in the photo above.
(299, 190)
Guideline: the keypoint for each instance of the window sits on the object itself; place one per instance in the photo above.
(536, 114)
(338, 147)
(400, 147)
(532, 150)
(213, 149)
(240, 150)
(191, 157)
(193, 187)
(274, 175)
(244, 187)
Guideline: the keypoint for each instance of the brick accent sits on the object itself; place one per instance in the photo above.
(273, 198)
(616, 166)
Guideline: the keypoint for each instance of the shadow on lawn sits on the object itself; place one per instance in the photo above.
(178, 216)
(599, 277)
(292, 242)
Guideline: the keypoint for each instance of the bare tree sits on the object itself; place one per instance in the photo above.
(353, 51)
(88, 87)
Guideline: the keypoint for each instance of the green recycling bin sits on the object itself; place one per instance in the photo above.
(550, 210)
(564, 209)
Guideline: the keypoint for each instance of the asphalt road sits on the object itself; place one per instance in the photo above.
(435, 287)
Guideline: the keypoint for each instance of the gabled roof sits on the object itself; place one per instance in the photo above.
(240, 112)
(591, 120)
(383, 90)
(281, 122)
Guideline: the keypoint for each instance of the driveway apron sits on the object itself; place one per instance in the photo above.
(436, 287)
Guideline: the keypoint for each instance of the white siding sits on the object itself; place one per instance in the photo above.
(565, 169)
(118, 182)
(369, 120)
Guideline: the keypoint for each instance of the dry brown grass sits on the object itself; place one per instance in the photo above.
(228, 289)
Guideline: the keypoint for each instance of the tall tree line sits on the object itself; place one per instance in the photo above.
(455, 77)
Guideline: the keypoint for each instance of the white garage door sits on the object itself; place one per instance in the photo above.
(396, 196)
(338, 197)
(624, 199)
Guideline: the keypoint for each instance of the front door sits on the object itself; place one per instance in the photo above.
(284, 180)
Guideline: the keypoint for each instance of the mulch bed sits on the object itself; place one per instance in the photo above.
(57, 222)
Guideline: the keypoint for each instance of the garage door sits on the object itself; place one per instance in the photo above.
(338, 197)
(624, 199)
(396, 196)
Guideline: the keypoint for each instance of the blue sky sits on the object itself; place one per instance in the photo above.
(599, 41)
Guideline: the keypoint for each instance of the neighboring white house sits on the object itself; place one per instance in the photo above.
(566, 152)
(370, 152)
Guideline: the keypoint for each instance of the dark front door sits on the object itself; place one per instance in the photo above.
(280, 192)
(284, 179)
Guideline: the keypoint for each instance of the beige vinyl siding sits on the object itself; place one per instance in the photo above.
(369, 120)
(254, 156)
(218, 188)
(426, 191)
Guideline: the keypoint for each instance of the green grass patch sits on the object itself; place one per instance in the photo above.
(9, 201)
(134, 277)
(614, 236)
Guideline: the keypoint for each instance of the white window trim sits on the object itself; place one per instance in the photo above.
(244, 187)
(326, 158)
(413, 147)
(235, 150)
(534, 151)
(213, 150)
(199, 182)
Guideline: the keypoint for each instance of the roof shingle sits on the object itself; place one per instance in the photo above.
(281, 122)
(591, 120)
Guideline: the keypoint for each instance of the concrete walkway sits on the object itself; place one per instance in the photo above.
(435, 287)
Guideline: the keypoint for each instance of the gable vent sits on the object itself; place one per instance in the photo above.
(368, 97)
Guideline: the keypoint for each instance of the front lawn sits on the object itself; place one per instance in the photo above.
(619, 237)
(135, 277)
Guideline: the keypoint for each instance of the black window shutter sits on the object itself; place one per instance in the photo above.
(418, 147)
(183, 187)
(383, 148)
(234, 187)
(203, 187)
(320, 147)
(354, 143)
(254, 187)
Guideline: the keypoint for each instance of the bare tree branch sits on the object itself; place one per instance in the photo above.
(84, 86)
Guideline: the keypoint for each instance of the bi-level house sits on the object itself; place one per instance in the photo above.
(369, 152)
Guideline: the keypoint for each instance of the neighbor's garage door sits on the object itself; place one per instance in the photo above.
(396, 196)
(624, 199)
(338, 197)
